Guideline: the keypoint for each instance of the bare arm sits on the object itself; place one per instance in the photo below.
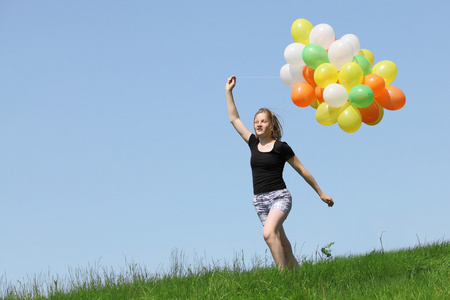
(232, 110)
(297, 165)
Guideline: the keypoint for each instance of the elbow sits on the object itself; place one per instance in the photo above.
(233, 120)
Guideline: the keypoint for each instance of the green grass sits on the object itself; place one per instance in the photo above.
(422, 272)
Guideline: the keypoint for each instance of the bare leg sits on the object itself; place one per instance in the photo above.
(288, 254)
(272, 233)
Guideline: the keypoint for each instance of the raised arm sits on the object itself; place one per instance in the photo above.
(232, 111)
(297, 165)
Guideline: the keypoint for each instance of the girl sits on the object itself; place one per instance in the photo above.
(268, 157)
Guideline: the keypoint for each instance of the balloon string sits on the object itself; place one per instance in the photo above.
(256, 77)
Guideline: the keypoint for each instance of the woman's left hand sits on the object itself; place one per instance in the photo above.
(327, 199)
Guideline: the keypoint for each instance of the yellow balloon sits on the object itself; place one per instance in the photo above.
(325, 74)
(386, 69)
(350, 75)
(300, 30)
(327, 115)
(368, 55)
(350, 119)
(343, 107)
(315, 104)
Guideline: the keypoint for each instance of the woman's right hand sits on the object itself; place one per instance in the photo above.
(231, 82)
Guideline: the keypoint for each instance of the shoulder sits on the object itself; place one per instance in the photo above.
(252, 141)
(282, 144)
(285, 149)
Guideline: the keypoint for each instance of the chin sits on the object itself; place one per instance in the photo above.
(262, 134)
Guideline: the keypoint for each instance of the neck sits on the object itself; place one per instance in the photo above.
(265, 140)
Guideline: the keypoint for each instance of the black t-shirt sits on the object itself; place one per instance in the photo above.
(267, 167)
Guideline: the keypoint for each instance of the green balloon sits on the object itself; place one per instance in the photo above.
(314, 55)
(361, 96)
(363, 63)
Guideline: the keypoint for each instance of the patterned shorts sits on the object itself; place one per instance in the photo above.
(264, 202)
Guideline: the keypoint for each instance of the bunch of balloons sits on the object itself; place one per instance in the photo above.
(337, 78)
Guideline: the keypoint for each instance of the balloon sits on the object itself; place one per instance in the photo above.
(340, 52)
(327, 115)
(363, 63)
(350, 75)
(315, 104)
(380, 116)
(322, 35)
(325, 74)
(291, 75)
(293, 54)
(308, 74)
(335, 95)
(361, 96)
(397, 96)
(350, 119)
(353, 40)
(314, 55)
(383, 98)
(300, 31)
(370, 113)
(392, 98)
(376, 83)
(368, 55)
(386, 69)
(302, 94)
(319, 93)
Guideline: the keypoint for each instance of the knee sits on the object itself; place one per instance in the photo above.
(269, 235)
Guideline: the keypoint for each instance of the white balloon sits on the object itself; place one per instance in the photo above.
(335, 95)
(322, 35)
(293, 54)
(291, 75)
(354, 41)
(340, 53)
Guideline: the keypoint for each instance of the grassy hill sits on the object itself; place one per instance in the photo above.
(422, 272)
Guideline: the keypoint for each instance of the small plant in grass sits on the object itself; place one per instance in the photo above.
(326, 250)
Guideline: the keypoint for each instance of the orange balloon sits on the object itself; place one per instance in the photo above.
(302, 94)
(380, 116)
(376, 83)
(308, 74)
(319, 93)
(391, 98)
(398, 98)
(370, 113)
(383, 98)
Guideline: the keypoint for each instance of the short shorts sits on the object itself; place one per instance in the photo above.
(280, 199)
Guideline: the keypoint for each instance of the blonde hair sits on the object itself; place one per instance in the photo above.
(276, 130)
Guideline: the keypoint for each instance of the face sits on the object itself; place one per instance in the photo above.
(262, 125)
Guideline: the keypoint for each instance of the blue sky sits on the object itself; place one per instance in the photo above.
(116, 144)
